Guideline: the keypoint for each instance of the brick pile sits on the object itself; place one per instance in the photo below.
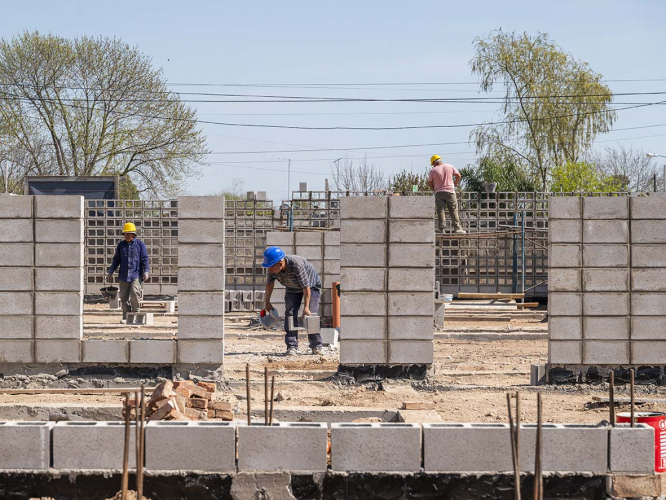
(185, 401)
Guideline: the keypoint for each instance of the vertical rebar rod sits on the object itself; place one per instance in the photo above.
(611, 397)
(265, 395)
(125, 477)
(139, 479)
(247, 390)
(516, 470)
(517, 433)
(270, 421)
(137, 435)
(540, 446)
(632, 397)
(522, 257)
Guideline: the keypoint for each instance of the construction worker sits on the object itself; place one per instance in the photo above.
(443, 180)
(303, 285)
(132, 258)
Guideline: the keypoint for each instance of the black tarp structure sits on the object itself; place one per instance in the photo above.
(91, 188)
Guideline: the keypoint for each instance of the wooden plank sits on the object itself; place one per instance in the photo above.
(527, 304)
(110, 390)
(500, 319)
(604, 400)
(467, 295)
(417, 405)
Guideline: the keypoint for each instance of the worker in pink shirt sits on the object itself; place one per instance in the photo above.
(443, 179)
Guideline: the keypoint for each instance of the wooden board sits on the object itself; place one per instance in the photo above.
(527, 304)
(466, 295)
(624, 400)
(121, 390)
(417, 405)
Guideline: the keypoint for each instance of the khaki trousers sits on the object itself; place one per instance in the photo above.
(130, 295)
(445, 200)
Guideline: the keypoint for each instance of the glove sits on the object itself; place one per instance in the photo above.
(145, 276)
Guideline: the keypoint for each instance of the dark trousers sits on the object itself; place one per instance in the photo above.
(292, 304)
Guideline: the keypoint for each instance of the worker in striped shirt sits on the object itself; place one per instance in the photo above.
(303, 286)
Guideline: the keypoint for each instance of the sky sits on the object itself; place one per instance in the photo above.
(355, 49)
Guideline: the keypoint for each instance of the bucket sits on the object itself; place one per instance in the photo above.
(109, 292)
(654, 419)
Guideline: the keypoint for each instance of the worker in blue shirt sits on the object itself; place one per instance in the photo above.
(132, 257)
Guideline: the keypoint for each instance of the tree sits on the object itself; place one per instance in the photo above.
(634, 170)
(508, 176)
(94, 106)
(553, 105)
(404, 181)
(582, 177)
(359, 176)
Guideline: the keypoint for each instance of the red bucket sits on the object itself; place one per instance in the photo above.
(654, 419)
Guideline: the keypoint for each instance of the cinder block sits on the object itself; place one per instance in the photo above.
(362, 279)
(61, 255)
(194, 279)
(362, 303)
(412, 207)
(25, 445)
(297, 446)
(411, 280)
(15, 279)
(208, 256)
(201, 207)
(363, 207)
(152, 352)
(376, 447)
(648, 304)
(564, 207)
(15, 207)
(363, 328)
(58, 303)
(362, 352)
(606, 207)
(606, 280)
(208, 446)
(564, 231)
(328, 279)
(58, 327)
(200, 304)
(648, 231)
(412, 231)
(17, 255)
(59, 279)
(15, 327)
(603, 352)
(410, 328)
(91, 445)
(632, 448)
(16, 231)
(606, 231)
(411, 304)
(352, 255)
(16, 351)
(280, 239)
(105, 351)
(564, 280)
(565, 327)
(606, 327)
(58, 351)
(565, 304)
(565, 352)
(317, 264)
(309, 238)
(201, 231)
(648, 256)
(58, 207)
(16, 303)
(201, 327)
(310, 253)
(648, 328)
(201, 352)
(648, 280)
(332, 267)
(332, 252)
(411, 255)
(605, 256)
(410, 351)
(332, 238)
(606, 304)
(648, 207)
(362, 231)
(59, 231)
(565, 256)
(648, 353)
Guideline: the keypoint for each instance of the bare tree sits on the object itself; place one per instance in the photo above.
(358, 175)
(631, 167)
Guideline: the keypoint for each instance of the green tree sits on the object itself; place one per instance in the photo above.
(404, 181)
(582, 177)
(508, 176)
(94, 106)
(553, 105)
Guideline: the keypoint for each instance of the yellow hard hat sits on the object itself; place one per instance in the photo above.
(435, 158)
(129, 227)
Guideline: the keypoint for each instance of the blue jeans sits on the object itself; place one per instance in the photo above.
(292, 303)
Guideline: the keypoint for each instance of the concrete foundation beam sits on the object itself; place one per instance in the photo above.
(105, 351)
(91, 445)
(201, 207)
(59, 207)
(363, 207)
(25, 445)
(632, 448)
(200, 327)
(203, 255)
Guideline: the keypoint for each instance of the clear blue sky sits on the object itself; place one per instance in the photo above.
(346, 41)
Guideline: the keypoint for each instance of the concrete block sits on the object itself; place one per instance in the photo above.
(648, 328)
(412, 231)
(297, 446)
(605, 231)
(376, 447)
(411, 304)
(16, 351)
(565, 327)
(15, 279)
(280, 239)
(411, 280)
(332, 252)
(25, 445)
(412, 207)
(648, 207)
(606, 327)
(605, 256)
(362, 279)
(352, 255)
(58, 303)
(332, 238)
(59, 207)
(17, 255)
(16, 231)
(140, 319)
(58, 351)
(208, 256)
(603, 352)
(362, 231)
(632, 448)
(61, 255)
(648, 280)
(605, 280)
(201, 207)
(648, 304)
(648, 255)
(363, 207)
(362, 352)
(648, 231)
(564, 231)
(564, 207)
(317, 264)
(330, 336)
(16, 327)
(648, 353)
(16, 303)
(208, 446)
(200, 304)
(411, 255)
(362, 303)
(200, 327)
(59, 327)
(203, 352)
(201, 231)
(15, 207)
(105, 351)
(309, 238)
(194, 279)
(606, 207)
(59, 231)
(363, 328)
(410, 328)
(565, 352)
(59, 279)
(606, 304)
(565, 256)
(564, 280)
(410, 351)
(91, 445)
(310, 253)
(332, 267)
(152, 352)
(565, 304)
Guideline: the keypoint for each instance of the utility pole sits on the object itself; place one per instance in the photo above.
(288, 160)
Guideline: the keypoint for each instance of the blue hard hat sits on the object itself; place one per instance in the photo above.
(272, 256)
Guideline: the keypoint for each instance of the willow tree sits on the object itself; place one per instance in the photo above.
(553, 105)
(94, 106)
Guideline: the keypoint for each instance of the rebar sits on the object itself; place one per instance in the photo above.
(125, 477)
(270, 421)
(247, 390)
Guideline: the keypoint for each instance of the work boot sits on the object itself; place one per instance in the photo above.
(317, 351)
(291, 351)
(460, 230)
